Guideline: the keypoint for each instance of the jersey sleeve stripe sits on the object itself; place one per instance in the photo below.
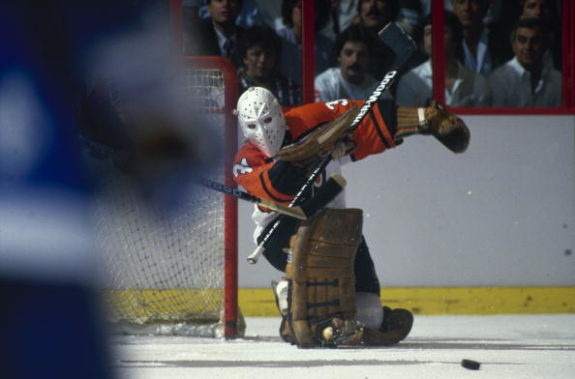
(378, 129)
(270, 191)
(387, 115)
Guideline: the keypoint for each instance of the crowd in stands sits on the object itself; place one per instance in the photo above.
(498, 53)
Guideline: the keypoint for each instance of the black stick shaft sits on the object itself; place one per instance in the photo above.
(294, 211)
(228, 190)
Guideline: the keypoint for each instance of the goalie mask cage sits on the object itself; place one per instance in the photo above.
(178, 275)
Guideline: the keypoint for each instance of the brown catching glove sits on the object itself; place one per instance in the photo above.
(449, 129)
(321, 141)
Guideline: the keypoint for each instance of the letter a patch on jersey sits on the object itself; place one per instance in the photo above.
(242, 168)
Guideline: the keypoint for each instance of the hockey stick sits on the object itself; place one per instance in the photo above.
(403, 47)
(296, 212)
(307, 209)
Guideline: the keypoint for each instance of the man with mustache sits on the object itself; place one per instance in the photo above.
(374, 15)
(525, 81)
(350, 79)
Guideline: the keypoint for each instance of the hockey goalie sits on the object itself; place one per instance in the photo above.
(330, 293)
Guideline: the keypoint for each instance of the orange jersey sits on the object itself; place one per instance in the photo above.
(279, 181)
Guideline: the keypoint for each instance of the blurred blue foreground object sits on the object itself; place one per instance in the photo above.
(51, 320)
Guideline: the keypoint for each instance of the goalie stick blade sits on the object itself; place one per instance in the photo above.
(399, 41)
(324, 195)
(295, 211)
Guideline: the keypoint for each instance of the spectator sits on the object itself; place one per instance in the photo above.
(346, 11)
(540, 9)
(525, 81)
(260, 49)
(350, 79)
(463, 88)
(217, 35)
(544, 10)
(374, 15)
(249, 15)
(410, 16)
(342, 15)
(290, 32)
(269, 11)
(331, 29)
(482, 50)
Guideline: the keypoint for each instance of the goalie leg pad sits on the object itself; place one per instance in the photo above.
(322, 281)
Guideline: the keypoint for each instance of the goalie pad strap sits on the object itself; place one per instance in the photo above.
(321, 273)
(410, 120)
(421, 118)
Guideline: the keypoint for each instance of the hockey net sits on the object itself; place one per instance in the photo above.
(177, 275)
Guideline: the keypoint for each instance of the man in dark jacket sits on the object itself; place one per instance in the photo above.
(218, 34)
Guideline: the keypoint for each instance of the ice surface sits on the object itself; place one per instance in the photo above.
(507, 346)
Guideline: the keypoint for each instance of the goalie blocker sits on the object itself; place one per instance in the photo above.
(319, 303)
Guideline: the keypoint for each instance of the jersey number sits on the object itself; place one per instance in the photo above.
(242, 168)
(331, 105)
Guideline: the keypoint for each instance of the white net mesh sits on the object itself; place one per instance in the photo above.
(166, 271)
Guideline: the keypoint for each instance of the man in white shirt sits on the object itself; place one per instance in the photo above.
(525, 81)
(546, 11)
(350, 79)
(463, 88)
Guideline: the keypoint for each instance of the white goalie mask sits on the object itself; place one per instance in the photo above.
(261, 119)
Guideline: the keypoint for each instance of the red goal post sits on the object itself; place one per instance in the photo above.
(229, 80)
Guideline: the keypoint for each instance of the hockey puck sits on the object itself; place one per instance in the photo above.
(469, 364)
